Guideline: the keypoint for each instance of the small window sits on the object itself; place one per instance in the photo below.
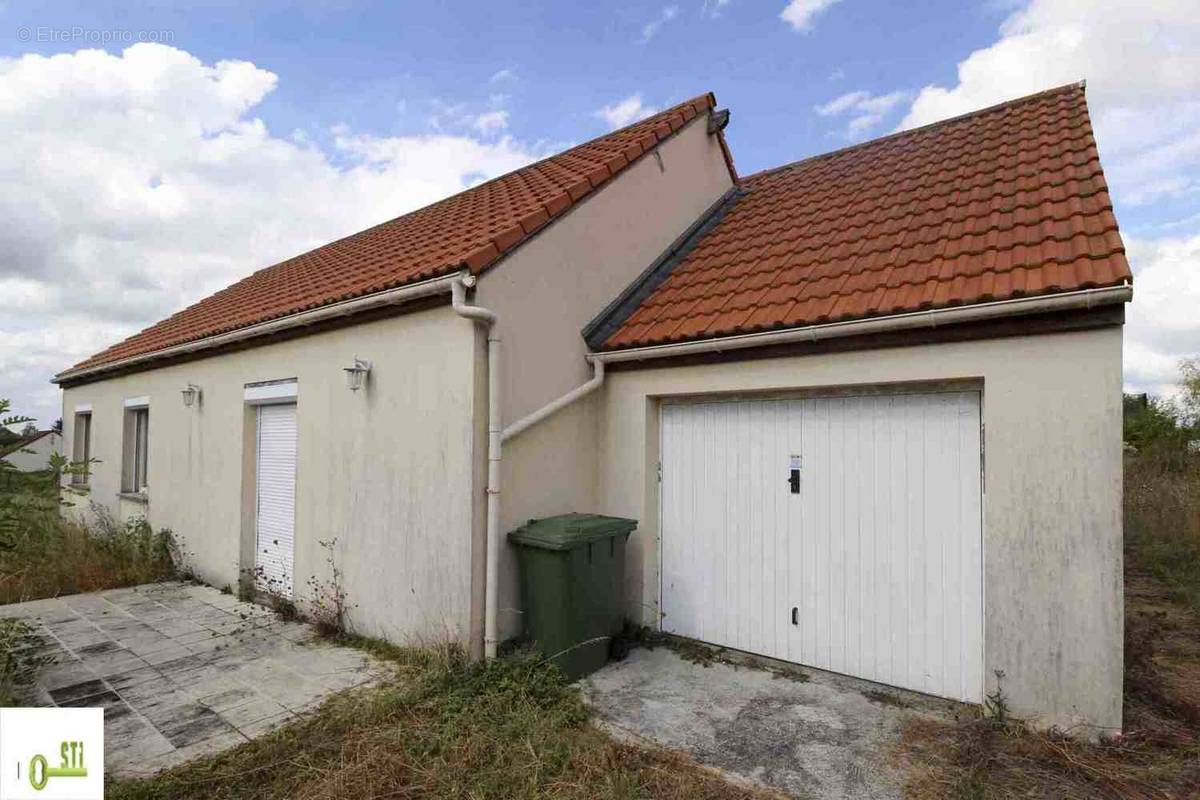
(136, 449)
(81, 451)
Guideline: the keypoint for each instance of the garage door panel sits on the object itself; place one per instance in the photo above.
(879, 553)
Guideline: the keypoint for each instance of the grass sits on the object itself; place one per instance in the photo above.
(442, 727)
(1162, 519)
(21, 657)
(43, 554)
(1159, 754)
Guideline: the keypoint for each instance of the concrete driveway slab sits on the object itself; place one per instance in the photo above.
(182, 670)
(808, 733)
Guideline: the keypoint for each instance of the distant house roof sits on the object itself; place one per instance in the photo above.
(1002, 203)
(15, 446)
(470, 230)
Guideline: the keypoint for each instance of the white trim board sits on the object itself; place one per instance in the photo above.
(137, 402)
(272, 392)
(83, 408)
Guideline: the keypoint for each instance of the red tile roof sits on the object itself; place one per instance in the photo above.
(469, 230)
(1006, 202)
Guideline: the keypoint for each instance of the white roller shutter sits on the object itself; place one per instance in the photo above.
(873, 567)
(275, 524)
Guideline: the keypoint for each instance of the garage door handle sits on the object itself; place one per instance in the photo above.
(795, 615)
(794, 480)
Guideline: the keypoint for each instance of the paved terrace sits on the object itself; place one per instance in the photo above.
(182, 670)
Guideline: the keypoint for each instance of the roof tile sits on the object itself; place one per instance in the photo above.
(472, 228)
(1005, 202)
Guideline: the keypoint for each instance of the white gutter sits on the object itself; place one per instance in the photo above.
(1083, 299)
(486, 317)
(1086, 298)
(401, 294)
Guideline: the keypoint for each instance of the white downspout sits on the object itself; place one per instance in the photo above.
(458, 296)
(570, 397)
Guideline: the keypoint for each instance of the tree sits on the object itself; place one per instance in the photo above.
(30, 429)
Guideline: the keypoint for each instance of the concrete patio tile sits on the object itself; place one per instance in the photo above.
(167, 655)
(82, 689)
(264, 726)
(212, 745)
(146, 692)
(127, 680)
(116, 664)
(198, 727)
(222, 701)
(170, 713)
(182, 670)
(141, 753)
(259, 709)
(66, 674)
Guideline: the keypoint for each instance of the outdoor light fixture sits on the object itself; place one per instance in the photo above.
(191, 394)
(357, 374)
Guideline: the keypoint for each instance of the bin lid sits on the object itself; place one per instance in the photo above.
(568, 531)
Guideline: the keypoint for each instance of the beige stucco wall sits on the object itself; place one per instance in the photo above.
(387, 470)
(1052, 510)
(550, 288)
(35, 456)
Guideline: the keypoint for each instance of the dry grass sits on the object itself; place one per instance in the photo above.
(1159, 754)
(44, 555)
(442, 728)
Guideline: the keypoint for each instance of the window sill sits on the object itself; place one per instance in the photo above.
(134, 497)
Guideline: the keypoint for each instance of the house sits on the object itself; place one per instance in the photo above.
(32, 453)
(866, 407)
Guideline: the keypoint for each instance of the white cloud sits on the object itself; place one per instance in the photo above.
(801, 13)
(135, 184)
(500, 75)
(864, 109)
(625, 112)
(1162, 324)
(837, 74)
(651, 28)
(1141, 59)
(490, 122)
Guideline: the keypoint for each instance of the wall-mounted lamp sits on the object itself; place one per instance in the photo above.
(191, 395)
(357, 374)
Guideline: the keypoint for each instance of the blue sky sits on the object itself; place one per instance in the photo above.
(141, 178)
(385, 67)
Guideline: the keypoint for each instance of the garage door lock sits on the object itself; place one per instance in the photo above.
(794, 474)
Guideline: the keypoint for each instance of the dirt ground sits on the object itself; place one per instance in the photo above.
(1157, 757)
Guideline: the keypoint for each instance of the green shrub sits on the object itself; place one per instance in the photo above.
(21, 658)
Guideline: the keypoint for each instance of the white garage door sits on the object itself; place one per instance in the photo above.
(275, 525)
(866, 560)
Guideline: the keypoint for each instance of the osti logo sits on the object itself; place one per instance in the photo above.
(52, 753)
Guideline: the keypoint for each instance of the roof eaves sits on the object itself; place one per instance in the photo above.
(614, 315)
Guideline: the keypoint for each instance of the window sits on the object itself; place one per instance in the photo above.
(81, 452)
(136, 447)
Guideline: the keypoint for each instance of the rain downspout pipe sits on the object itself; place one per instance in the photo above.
(487, 318)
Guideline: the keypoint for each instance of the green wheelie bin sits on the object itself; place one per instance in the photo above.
(572, 573)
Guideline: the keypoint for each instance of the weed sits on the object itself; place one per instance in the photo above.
(441, 727)
(22, 656)
(1159, 754)
(328, 608)
(43, 554)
